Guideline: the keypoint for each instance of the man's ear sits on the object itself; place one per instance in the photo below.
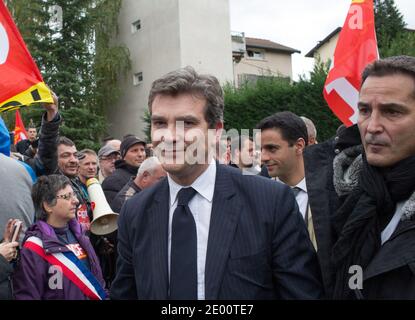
(145, 175)
(299, 146)
(219, 130)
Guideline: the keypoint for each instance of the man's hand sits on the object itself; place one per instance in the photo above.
(52, 108)
(106, 247)
(9, 250)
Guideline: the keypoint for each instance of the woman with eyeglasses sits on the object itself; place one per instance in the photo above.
(57, 260)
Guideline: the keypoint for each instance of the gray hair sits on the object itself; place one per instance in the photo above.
(390, 66)
(311, 128)
(187, 80)
(45, 190)
(149, 165)
(84, 152)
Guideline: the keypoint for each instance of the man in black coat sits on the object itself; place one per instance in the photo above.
(373, 255)
(45, 162)
(368, 188)
(318, 168)
(132, 155)
(208, 231)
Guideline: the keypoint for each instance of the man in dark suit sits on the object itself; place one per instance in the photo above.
(207, 231)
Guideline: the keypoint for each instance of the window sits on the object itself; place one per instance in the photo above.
(137, 78)
(135, 26)
(256, 54)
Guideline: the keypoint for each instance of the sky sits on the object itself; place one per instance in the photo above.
(298, 24)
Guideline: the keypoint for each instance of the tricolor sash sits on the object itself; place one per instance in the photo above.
(72, 268)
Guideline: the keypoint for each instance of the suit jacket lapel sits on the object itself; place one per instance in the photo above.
(159, 222)
(223, 221)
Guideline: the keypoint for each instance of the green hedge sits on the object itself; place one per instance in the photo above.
(247, 105)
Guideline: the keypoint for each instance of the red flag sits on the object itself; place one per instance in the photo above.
(19, 129)
(20, 81)
(355, 48)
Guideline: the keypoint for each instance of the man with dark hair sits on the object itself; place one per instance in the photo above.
(31, 141)
(208, 231)
(149, 150)
(375, 226)
(242, 155)
(283, 140)
(132, 155)
(68, 162)
(284, 137)
(223, 151)
(44, 162)
(68, 165)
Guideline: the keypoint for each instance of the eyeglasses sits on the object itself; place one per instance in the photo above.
(66, 196)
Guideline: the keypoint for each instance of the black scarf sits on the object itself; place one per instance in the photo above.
(366, 211)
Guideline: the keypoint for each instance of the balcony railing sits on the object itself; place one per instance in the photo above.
(238, 43)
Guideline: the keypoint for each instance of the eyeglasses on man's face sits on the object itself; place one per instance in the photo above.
(67, 196)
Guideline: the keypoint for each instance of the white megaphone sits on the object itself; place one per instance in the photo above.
(104, 221)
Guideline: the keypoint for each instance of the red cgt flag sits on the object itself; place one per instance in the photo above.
(19, 129)
(355, 48)
(20, 81)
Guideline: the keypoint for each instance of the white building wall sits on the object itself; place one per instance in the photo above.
(273, 64)
(205, 37)
(173, 34)
(326, 51)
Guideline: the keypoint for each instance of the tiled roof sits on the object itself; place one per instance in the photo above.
(269, 45)
(322, 42)
(331, 35)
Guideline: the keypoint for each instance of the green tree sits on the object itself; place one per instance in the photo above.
(77, 60)
(404, 44)
(147, 120)
(392, 37)
(247, 105)
(308, 101)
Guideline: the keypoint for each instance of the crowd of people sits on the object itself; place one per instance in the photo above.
(274, 215)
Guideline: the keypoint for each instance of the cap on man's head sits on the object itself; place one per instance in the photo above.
(128, 142)
(106, 150)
